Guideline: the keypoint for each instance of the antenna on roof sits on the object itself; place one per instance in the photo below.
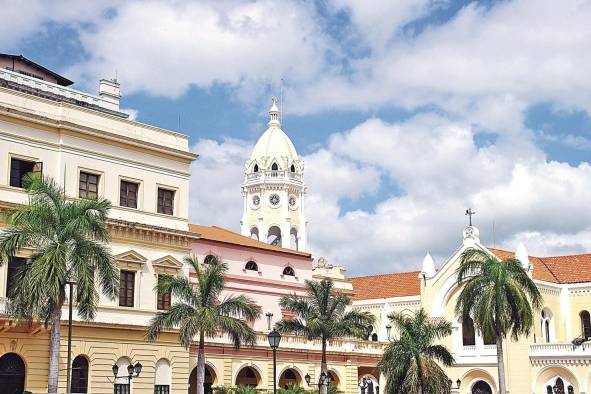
(281, 102)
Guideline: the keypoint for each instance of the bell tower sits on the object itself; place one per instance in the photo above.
(273, 189)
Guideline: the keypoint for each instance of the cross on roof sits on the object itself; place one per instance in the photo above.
(469, 213)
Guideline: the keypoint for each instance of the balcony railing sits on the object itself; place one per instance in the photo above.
(274, 175)
(560, 350)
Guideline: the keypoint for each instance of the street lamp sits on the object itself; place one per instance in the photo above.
(131, 369)
(323, 379)
(70, 304)
(274, 340)
(388, 329)
(308, 379)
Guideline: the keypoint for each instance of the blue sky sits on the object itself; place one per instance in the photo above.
(405, 113)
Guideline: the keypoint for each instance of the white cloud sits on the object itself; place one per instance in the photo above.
(133, 113)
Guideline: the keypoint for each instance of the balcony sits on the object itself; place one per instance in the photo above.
(560, 350)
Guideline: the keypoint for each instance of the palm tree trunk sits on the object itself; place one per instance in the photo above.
(324, 367)
(54, 349)
(201, 364)
(501, 365)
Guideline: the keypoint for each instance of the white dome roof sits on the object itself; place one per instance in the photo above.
(274, 143)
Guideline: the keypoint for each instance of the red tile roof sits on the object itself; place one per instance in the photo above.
(575, 268)
(399, 284)
(219, 234)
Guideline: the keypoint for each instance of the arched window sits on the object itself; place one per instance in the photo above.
(209, 259)
(288, 271)
(468, 333)
(374, 337)
(489, 339)
(254, 233)
(248, 377)
(586, 324)
(481, 387)
(251, 266)
(560, 385)
(292, 168)
(293, 238)
(255, 168)
(122, 385)
(79, 375)
(274, 236)
(162, 379)
(274, 167)
(547, 325)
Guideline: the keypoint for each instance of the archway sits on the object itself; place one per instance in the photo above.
(274, 236)
(79, 375)
(209, 380)
(12, 373)
(559, 376)
(334, 379)
(481, 387)
(248, 376)
(290, 376)
(368, 384)
(293, 238)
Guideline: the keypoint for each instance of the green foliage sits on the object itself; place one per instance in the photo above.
(322, 314)
(293, 389)
(244, 390)
(69, 243)
(222, 390)
(199, 311)
(498, 295)
(410, 363)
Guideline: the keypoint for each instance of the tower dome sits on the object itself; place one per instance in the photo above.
(274, 143)
(274, 190)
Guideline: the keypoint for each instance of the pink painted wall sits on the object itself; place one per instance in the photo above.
(265, 287)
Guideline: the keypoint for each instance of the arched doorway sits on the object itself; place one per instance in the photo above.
(290, 377)
(12, 374)
(79, 375)
(208, 381)
(248, 376)
(334, 379)
(481, 387)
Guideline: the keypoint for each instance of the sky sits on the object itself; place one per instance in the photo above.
(405, 112)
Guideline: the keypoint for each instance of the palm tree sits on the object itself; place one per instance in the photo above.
(499, 296)
(323, 315)
(69, 243)
(410, 362)
(200, 313)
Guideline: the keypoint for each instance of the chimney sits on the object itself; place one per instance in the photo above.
(110, 93)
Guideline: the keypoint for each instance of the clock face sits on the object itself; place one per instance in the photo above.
(292, 201)
(256, 200)
(274, 199)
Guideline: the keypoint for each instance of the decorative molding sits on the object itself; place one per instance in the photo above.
(130, 260)
(167, 265)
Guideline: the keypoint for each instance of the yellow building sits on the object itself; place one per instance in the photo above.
(536, 364)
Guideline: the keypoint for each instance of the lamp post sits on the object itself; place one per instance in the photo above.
(388, 329)
(323, 379)
(70, 304)
(274, 340)
(131, 369)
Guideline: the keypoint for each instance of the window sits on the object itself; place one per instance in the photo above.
(88, 187)
(128, 194)
(288, 271)
(165, 201)
(163, 299)
(468, 334)
(489, 339)
(121, 388)
(292, 168)
(586, 324)
(251, 266)
(274, 236)
(274, 167)
(19, 168)
(161, 389)
(254, 233)
(374, 337)
(79, 375)
(15, 264)
(126, 288)
(256, 168)
(209, 259)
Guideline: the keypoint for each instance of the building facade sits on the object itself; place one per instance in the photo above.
(554, 359)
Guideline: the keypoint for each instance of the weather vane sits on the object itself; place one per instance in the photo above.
(469, 213)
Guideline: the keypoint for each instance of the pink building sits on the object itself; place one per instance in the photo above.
(258, 270)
